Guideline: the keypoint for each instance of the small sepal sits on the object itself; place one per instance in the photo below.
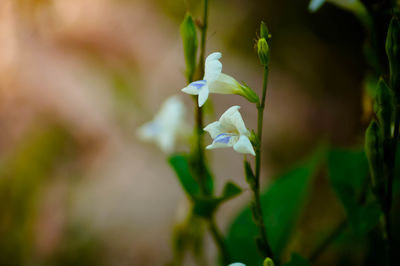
(268, 262)
(248, 93)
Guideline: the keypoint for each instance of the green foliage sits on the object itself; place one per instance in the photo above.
(190, 44)
(180, 164)
(281, 204)
(348, 173)
(297, 260)
(204, 205)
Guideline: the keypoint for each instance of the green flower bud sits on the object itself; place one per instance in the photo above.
(189, 38)
(393, 53)
(264, 33)
(268, 262)
(374, 152)
(384, 107)
(263, 51)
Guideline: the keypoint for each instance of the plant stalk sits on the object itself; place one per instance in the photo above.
(256, 189)
(201, 166)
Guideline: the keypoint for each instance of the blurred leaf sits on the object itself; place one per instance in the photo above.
(281, 204)
(231, 190)
(297, 260)
(180, 164)
(348, 172)
(207, 205)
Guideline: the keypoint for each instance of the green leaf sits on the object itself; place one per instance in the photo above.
(348, 172)
(180, 164)
(231, 190)
(205, 206)
(297, 260)
(281, 204)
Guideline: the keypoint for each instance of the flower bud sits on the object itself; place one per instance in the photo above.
(393, 53)
(384, 107)
(263, 51)
(268, 262)
(264, 33)
(374, 152)
(189, 38)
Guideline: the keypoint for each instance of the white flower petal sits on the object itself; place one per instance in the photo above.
(224, 84)
(167, 126)
(148, 131)
(237, 264)
(315, 4)
(243, 145)
(203, 95)
(223, 140)
(214, 129)
(213, 67)
(166, 141)
(233, 119)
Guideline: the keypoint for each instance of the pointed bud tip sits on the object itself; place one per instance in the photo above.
(263, 51)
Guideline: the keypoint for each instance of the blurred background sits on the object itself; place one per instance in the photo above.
(77, 78)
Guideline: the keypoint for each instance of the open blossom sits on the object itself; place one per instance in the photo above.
(316, 4)
(230, 131)
(167, 126)
(213, 81)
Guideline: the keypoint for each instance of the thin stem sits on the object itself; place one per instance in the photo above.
(199, 110)
(203, 38)
(219, 240)
(320, 249)
(215, 232)
(256, 189)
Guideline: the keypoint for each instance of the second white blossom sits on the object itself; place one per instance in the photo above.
(230, 131)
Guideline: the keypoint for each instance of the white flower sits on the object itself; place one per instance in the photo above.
(237, 264)
(167, 126)
(316, 4)
(230, 131)
(213, 81)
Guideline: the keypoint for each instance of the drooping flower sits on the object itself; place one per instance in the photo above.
(216, 82)
(167, 126)
(230, 131)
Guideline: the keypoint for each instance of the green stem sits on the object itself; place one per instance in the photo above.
(215, 232)
(219, 240)
(256, 188)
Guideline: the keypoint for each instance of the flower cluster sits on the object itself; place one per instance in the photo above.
(230, 131)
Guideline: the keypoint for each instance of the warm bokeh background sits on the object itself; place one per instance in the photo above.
(78, 77)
